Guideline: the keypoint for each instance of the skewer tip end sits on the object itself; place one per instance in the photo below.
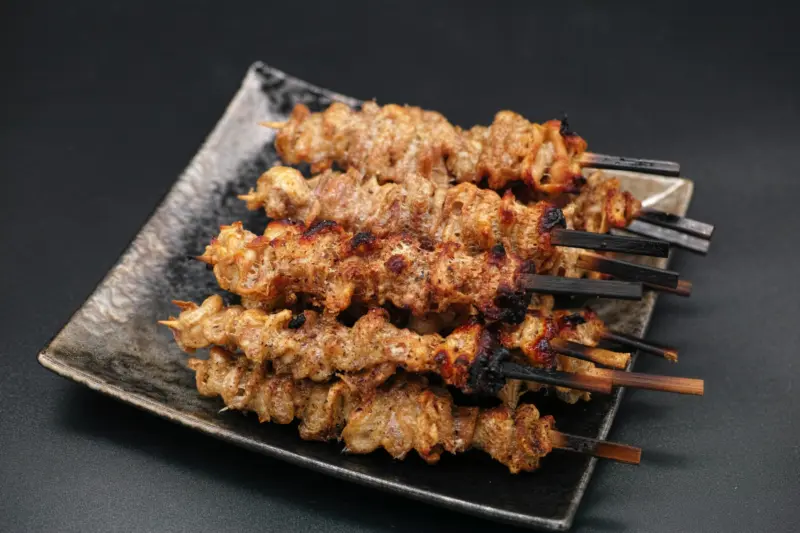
(272, 124)
(184, 305)
(597, 448)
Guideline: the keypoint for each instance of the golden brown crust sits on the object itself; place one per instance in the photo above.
(478, 219)
(406, 416)
(335, 267)
(601, 205)
(316, 347)
(392, 141)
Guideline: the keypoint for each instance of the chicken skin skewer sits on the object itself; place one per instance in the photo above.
(335, 267)
(317, 347)
(406, 416)
(389, 142)
(478, 219)
(392, 142)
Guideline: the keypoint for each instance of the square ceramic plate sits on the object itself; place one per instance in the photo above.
(112, 343)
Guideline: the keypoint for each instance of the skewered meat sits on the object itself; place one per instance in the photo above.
(601, 205)
(478, 219)
(316, 347)
(406, 416)
(335, 267)
(392, 141)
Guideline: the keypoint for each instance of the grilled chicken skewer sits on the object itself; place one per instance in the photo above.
(406, 416)
(316, 347)
(602, 206)
(392, 141)
(335, 267)
(478, 219)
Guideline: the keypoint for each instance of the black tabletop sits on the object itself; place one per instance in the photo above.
(103, 106)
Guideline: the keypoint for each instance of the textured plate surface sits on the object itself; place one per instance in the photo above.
(112, 343)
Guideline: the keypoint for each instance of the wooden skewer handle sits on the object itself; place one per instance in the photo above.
(678, 223)
(648, 166)
(671, 354)
(609, 243)
(590, 353)
(683, 289)
(585, 382)
(676, 238)
(599, 288)
(627, 270)
(636, 380)
(596, 448)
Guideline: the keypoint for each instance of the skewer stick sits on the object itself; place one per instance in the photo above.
(676, 238)
(609, 243)
(670, 354)
(590, 353)
(596, 448)
(273, 125)
(684, 288)
(636, 380)
(603, 380)
(678, 223)
(648, 166)
(627, 270)
(600, 288)
(585, 382)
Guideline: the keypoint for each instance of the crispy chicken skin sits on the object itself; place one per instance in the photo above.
(316, 346)
(406, 415)
(478, 219)
(336, 267)
(392, 142)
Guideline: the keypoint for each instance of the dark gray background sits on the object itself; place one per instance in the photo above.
(103, 105)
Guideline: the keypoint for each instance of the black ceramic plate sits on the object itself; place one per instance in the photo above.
(112, 343)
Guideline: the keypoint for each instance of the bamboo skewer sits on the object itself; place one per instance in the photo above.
(689, 226)
(599, 356)
(684, 288)
(667, 353)
(602, 380)
(598, 288)
(628, 271)
(637, 380)
(682, 240)
(569, 380)
(596, 448)
(647, 166)
(609, 243)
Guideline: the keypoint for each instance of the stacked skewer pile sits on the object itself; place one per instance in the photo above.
(430, 262)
